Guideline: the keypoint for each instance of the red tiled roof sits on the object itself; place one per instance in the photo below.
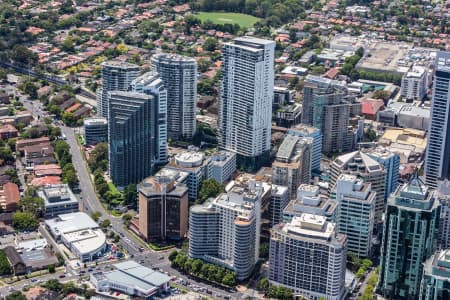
(371, 106)
(11, 193)
(46, 180)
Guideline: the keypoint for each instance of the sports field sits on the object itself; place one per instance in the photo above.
(228, 18)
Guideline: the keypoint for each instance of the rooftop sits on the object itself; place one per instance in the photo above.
(136, 276)
(95, 121)
(72, 222)
(311, 226)
(443, 61)
(119, 65)
(360, 159)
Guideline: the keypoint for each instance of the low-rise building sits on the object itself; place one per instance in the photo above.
(414, 117)
(195, 164)
(288, 115)
(80, 234)
(310, 200)
(58, 199)
(222, 166)
(9, 197)
(8, 131)
(95, 130)
(131, 279)
(415, 83)
(38, 155)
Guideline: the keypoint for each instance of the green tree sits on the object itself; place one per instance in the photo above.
(22, 55)
(173, 255)
(210, 188)
(53, 285)
(5, 267)
(32, 205)
(229, 279)
(96, 215)
(51, 268)
(210, 44)
(68, 44)
(16, 295)
(68, 118)
(130, 195)
(105, 223)
(197, 266)
(263, 284)
(24, 221)
(127, 219)
(69, 175)
(264, 250)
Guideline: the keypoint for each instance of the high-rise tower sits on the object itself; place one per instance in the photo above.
(179, 75)
(116, 76)
(437, 162)
(246, 94)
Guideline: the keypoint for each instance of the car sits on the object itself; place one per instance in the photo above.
(62, 276)
(161, 257)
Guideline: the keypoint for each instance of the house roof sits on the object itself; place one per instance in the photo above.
(11, 193)
(46, 180)
(371, 106)
(13, 256)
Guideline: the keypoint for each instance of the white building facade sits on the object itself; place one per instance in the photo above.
(308, 257)
(246, 96)
(179, 74)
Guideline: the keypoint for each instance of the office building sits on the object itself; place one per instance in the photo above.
(225, 230)
(391, 164)
(150, 83)
(282, 96)
(132, 130)
(80, 234)
(363, 166)
(292, 165)
(194, 163)
(222, 166)
(288, 115)
(303, 130)
(436, 277)
(163, 206)
(95, 130)
(246, 96)
(278, 201)
(443, 194)
(409, 238)
(116, 76)
(328, 107)
(132, 279)
(437, 161)
(310, 200)
(179, 75)
(415, 83)
(58, 199)
(308, 256)
(355, 213)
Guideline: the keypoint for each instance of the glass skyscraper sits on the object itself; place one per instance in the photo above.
(409, 239)
(437, 162)
(131, 134)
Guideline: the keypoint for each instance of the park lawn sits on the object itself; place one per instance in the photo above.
(228, 18)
